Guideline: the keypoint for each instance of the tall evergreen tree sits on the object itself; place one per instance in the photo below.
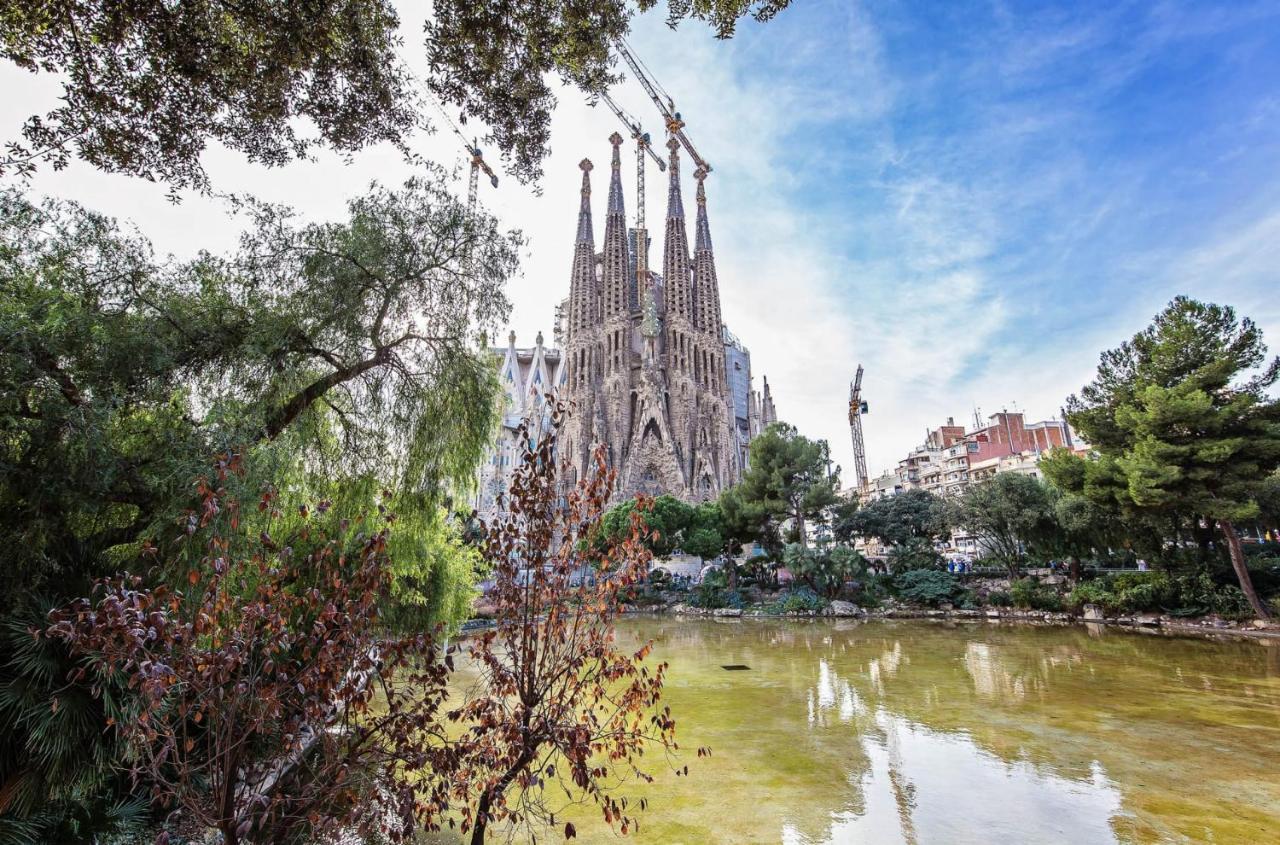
(788, 478)
(1188, 430)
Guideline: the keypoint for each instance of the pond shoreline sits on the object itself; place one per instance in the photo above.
(1147, 623)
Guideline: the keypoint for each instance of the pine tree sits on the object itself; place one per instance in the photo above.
(1186, 435)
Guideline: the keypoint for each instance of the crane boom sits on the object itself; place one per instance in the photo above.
(674, 123)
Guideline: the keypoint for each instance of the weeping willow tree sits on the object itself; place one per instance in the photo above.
(339, 361)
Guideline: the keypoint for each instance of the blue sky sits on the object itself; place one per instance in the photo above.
(989, 194)
(971, 199)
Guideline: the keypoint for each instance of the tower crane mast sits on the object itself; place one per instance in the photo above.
(858, 407)
(674, 123)
(477, 160)
(477, 164)
(642, 146)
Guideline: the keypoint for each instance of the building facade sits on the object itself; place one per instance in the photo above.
(950, 458)
(644, 358)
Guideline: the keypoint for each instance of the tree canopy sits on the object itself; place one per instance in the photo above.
(670, 525)
(338, 362)
(1009, 513)
(147, 85)
(912, 516)
(1186, 432)
(352, 344)
(788, 477)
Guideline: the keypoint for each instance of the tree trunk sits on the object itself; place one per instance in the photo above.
(1242, 571)
(482, 820)
(1073, 572)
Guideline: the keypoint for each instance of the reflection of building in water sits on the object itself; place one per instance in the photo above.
(885, 666)
(990, 679)
(993, 679)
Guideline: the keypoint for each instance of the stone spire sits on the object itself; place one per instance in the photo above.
(584, 308)
(705, 285)
(768, 414)
(584, 211)
(675, 251)
(703, 236)
(617, 264)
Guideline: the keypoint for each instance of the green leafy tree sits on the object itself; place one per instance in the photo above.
(704, 536)
(1010, 513)
(670, 524)
(825, 571)
(899, 520)
(844, 519)
(342, 358)
(497, 60)
(147, 84)
(1187, 432)
(788, 478)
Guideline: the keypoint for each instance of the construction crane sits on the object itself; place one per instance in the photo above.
(858, 407)
(477, 159)
(642, 146)
(473, 149)
(477, 164)
(667, 106)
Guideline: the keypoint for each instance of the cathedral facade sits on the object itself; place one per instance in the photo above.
(651, 371)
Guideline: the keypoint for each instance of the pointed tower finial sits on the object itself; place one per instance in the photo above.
(584, 212)
(702, 237)
(539, 340)
(615, 179)
(511, 338)
(676, 271)
(675, 205)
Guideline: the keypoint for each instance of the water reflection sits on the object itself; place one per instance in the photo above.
(921, 733)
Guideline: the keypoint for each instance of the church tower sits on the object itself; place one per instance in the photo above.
(616, 322)
(644, 356)
(711, 447)
(581, 353)
(680, 317)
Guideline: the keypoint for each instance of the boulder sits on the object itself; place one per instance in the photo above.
(843, 608)
(1093, 613)
(730, 612)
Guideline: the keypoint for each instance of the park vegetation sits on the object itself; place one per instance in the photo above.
(341, 363)
(1184, 448)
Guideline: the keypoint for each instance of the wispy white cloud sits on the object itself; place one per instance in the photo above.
(972, 207)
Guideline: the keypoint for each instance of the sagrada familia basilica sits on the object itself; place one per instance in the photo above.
(651, 370)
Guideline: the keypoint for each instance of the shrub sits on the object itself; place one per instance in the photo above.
(1031, 594)
(918, 554)
(802, 600)
(999, 598)
(1091, 592)
(713, 593)
(927, 586)
(1193, 594)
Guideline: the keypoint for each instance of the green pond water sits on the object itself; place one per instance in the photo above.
(917, 732)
